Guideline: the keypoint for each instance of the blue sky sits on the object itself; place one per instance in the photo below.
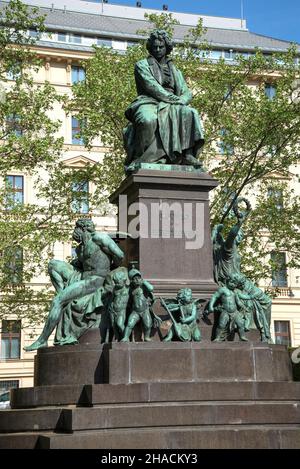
(276, 18)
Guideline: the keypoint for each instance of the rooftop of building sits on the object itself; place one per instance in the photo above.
(122, 22)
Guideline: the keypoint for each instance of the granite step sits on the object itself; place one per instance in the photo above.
(196, 437)
(150, 414)
(97, 394)
(29, 420)
(181, 414)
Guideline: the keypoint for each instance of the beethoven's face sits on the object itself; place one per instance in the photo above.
(158, 49)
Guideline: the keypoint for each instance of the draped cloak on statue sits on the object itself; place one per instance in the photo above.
(177, 127)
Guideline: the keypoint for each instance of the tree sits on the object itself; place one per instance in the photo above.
(256, 127)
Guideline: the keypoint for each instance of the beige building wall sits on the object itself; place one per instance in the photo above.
(57, 70)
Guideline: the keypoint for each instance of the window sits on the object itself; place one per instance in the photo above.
(33, 33)
(62, 37)
(13, 264)
(5, 385)
(282, 333)
(75, 38)
(81, 197)
(279, 271)
(76, 139)
(78, 74)
(10, 339)
(104, 42)
(277, 196)
(16, 188)
(13, 125)
(270, 91)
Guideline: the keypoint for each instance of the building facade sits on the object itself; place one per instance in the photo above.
(74, 28)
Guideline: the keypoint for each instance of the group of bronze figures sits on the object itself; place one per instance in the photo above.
(95, 291)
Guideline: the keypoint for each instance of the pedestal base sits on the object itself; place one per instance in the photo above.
(142, 362)
(167, 213)
(156, 395)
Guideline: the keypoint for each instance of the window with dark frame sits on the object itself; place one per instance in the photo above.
(270, 90)
(78, 74)
(62, 37)
(10, 340)
(13, 125)
(104, 42)
(13, 264)
(75, 38)
(76, 139)
(7, 384)
(277, 196)
(282, 333)
(81, 197)
(33, 33)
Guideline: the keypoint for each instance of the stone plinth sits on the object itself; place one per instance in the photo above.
(156, 395)
(126, 363)
(165, 252)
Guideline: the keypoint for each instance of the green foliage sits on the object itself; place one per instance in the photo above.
(260, 136)
(163, 21)
(30, 146)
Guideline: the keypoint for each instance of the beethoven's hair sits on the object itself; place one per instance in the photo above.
(161, 35)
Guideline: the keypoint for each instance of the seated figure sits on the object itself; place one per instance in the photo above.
(164, 128)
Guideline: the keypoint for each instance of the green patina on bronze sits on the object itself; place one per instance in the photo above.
(227, 301)
(140, 304)
(118, 302)
(163, 127)
(227, 262)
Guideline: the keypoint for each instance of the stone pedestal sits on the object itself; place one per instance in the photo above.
(145, 362)
(165, 251)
